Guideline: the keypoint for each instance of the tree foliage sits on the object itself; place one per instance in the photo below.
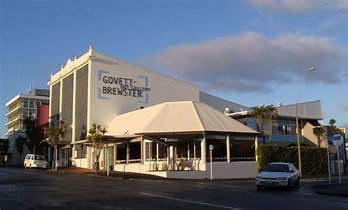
(264, 115)
(32, 131)
(4, 146)
(314, 159)
(319, 131)
(20, 142)
(55, 133)
(332, 122)
(332, 129)
(96, 136)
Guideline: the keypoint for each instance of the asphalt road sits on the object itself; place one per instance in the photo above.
(38, 189)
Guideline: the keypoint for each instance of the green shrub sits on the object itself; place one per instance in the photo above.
(314, 159)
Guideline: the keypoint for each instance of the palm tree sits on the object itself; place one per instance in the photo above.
(319, 132)
(332, 122)
(332, 129)
(55, 133)
(96, 136)
(264, 115)
(20, 142)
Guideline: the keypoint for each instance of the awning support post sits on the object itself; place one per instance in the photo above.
(228, 153)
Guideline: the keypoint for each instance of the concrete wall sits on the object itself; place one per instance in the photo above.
(221, 170)
(132, 167)
(14, 157)
(80, 162)
(233, 170)
(110, 73)
(308, 134)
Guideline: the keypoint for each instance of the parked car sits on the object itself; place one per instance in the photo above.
(278, 174)
(35, 161)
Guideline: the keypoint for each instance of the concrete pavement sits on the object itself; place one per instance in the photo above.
(334, 189)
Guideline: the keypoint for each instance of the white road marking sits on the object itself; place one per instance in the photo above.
(189, 201)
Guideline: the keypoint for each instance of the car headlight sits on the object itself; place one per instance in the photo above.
(258, 177)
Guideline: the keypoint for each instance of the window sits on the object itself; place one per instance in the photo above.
(134, 152)
(25, 115)
(25, 104)
(121, 153)
(242, 150)
(219, 152)
(149, 147)
(31, 104)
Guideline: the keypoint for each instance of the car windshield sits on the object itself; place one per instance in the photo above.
(277, 168)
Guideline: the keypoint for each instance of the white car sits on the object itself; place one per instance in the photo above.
(278, 174)
(35, 161)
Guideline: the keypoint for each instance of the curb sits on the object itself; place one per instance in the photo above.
(333, 190)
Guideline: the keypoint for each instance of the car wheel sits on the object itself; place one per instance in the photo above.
(25, 166)
(288, 185)
(297, 183)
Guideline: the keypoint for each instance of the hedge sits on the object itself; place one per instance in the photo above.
(314, 159)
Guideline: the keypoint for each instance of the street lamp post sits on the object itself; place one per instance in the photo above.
(297, 124)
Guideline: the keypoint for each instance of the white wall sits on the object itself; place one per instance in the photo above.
(221, 170)
(235, 170)
(15, 158)
(80, 162)
(105, 107)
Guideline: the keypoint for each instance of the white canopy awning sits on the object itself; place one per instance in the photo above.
(175, 117)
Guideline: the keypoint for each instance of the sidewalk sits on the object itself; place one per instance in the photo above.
(117, 174)
(333, 189)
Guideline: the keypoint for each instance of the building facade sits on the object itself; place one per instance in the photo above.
(19, 108)
(97, 88)
(284, 126)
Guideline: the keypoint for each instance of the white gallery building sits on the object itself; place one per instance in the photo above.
(155, 124)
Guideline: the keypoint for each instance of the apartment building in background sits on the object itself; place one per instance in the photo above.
(19, 108)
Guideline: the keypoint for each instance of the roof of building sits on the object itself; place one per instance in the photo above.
(306, 110)
(220, 104)
(175, 117)
(94, 55)
(27, 96)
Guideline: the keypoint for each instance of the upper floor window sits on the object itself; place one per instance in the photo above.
(31, 104)
(25, 115)
(25, 103)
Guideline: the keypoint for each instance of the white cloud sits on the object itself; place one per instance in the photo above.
(300, 5)
(251, 62)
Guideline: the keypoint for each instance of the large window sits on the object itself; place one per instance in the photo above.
(219, 152)
(134, 152)
(152, 149)
(284, 127)
(121, 153)
(190, 149)
(242, 150)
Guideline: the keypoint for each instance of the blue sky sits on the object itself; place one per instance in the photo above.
(250, 52)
